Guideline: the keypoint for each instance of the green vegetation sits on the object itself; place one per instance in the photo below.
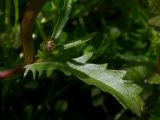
(80, 59)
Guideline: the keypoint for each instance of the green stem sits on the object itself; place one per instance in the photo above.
(7, 11)
(16, 12)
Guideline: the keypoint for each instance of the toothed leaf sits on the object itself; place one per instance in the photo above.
(109, 81)
(41, 67)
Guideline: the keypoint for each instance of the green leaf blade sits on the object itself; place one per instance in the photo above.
(41, 67)
(84, 58)
(80, 41)
(110, 81)
(155, 79)
(62, 20)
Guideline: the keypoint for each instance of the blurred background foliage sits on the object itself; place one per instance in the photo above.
(124, 40)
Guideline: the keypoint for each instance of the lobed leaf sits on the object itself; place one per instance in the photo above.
(41, 67)
(109, 81)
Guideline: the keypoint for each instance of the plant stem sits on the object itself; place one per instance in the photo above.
(7, 11)
(11, 72)
(16, 12)
(30, 14)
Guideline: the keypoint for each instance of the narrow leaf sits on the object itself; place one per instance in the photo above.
(80, 41)
(84, 58)
(28, 112)
(62, 20)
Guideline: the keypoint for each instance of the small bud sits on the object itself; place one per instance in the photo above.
(49, 45)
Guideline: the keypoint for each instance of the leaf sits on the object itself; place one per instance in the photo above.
(62, 20)
(48, 6)
(139, 73)
(40, 68)
(61, 106)
(97, 97)
(84, 58)
(28, 112)
(155, 79)
(154, 115)
(155, 5)
(109, 81)
(155, 22)
(58, 3)
(80, 41)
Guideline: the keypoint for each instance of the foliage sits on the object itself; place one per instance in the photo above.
(114, 32)
(97, 75)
